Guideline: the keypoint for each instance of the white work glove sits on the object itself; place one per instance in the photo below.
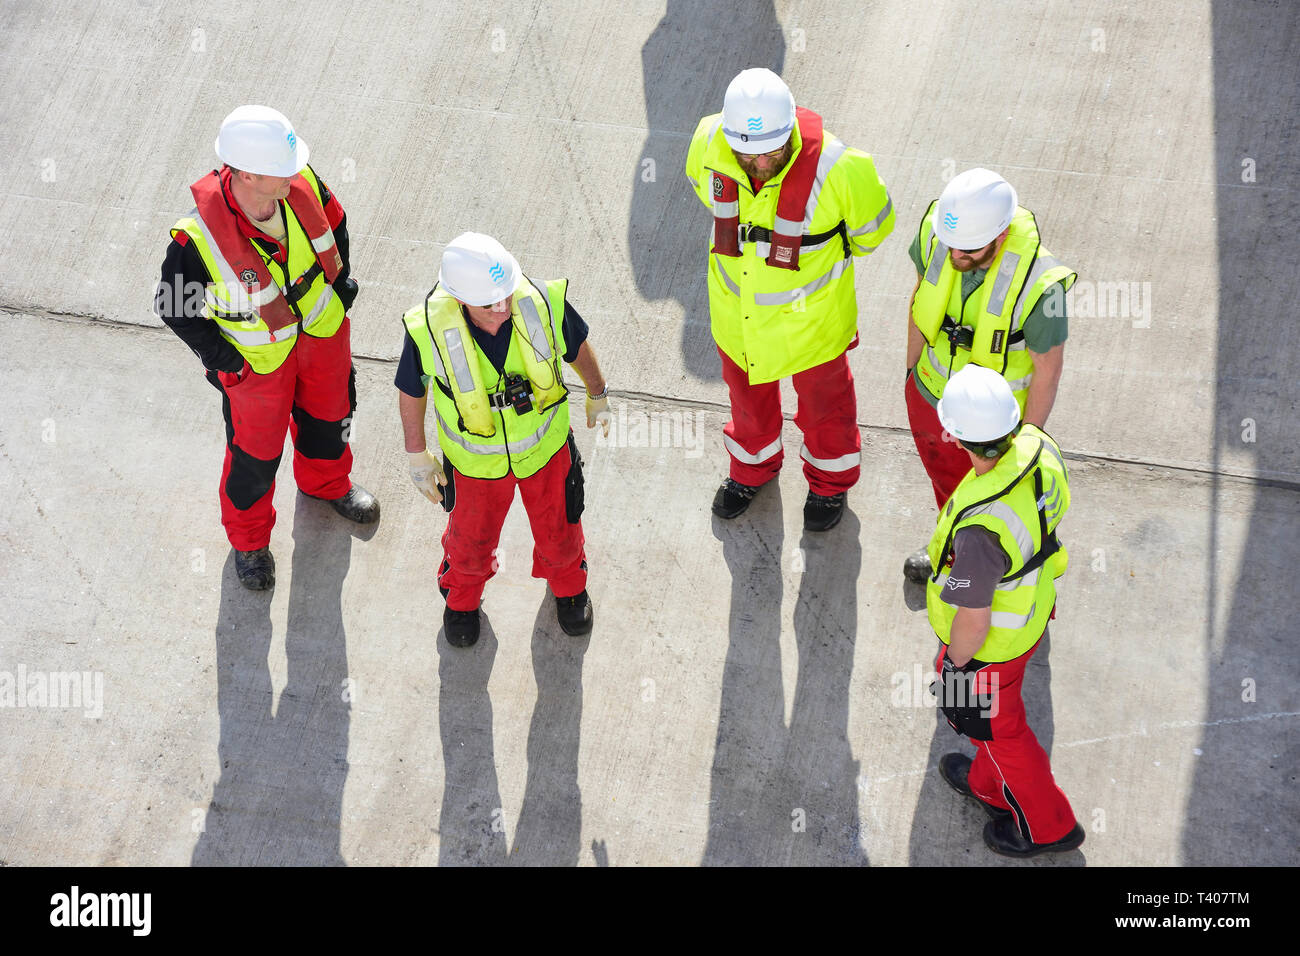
(424, 469)
(598, 411)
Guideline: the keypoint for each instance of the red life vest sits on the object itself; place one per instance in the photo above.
(246, 261)
(791, 203)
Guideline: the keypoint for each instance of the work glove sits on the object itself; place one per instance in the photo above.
(424, 470)
(598, 411)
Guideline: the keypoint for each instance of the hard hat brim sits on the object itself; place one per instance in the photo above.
(301, 154)
(754, 144)
(964, 243)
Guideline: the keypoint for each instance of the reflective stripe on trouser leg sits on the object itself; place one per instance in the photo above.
(324, 399)
(753, 436)
(828, 418)
(473, 530)
(1012, 770)
(256, 413)
(945, 462)
(557, 545)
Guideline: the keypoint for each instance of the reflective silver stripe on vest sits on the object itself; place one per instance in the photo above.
(757, 459)
(1002, 284)
(253, 337)
(937, 255)
(1017, 384)
(258, 298)
(830, 155)
(792, 295)
(877, 222)
(1005, 514)
(1005, 619)
(324, 241)
(1036, 271)
(1047, 447)
(842, 463)
(318, 309)
(1027, 580)
(787, 227)
(459, 361)
(536, 331)
(935, 364)
(726, 279)
(516, 447)
(262, 336)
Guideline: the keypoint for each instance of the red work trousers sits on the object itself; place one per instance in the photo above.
(1012, 771)
(945, 461)
(312, 394)
(827, 416)
(469, 543)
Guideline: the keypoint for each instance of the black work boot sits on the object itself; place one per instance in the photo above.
(357, 505)
(461, 627)
(1003, 837)
(822, 512)
(955, 770)
(917, 568)
(574, 614)
(733, 498)
(256, 569)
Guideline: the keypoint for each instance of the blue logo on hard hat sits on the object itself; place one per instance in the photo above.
(950, 221)
(496, 272)
(293, 140)
(755, 124)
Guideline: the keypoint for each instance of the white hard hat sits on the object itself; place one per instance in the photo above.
(973, 209)
(978, 405)
(477, 270)
(757, 112)
(258, 139)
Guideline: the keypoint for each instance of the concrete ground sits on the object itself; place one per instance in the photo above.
(751, 694)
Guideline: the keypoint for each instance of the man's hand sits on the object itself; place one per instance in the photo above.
(424, 469)
(598, 411)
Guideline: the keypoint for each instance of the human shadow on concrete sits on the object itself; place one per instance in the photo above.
(786, 795)
(947, 828)
(550, 819)
(279, 798)
(471, 824)
(686, 64)
(1244, 805)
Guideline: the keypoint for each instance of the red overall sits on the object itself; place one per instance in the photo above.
(945, 461)
(312, 395)
(1012, 771)
(827, 416)
(469, 543)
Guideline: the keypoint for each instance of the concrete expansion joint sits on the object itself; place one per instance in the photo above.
(1282, 481)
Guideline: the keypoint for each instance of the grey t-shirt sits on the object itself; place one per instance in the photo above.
(979, 563)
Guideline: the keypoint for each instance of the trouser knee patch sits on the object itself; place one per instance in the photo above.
(317, 438)
(250, 478)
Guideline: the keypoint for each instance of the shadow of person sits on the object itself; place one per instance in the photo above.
(822, 774)
(471, 824)
(279, 798)
(686, 64)
(747, 817)
(940, 810)
(550, 819)
(1243, 807)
